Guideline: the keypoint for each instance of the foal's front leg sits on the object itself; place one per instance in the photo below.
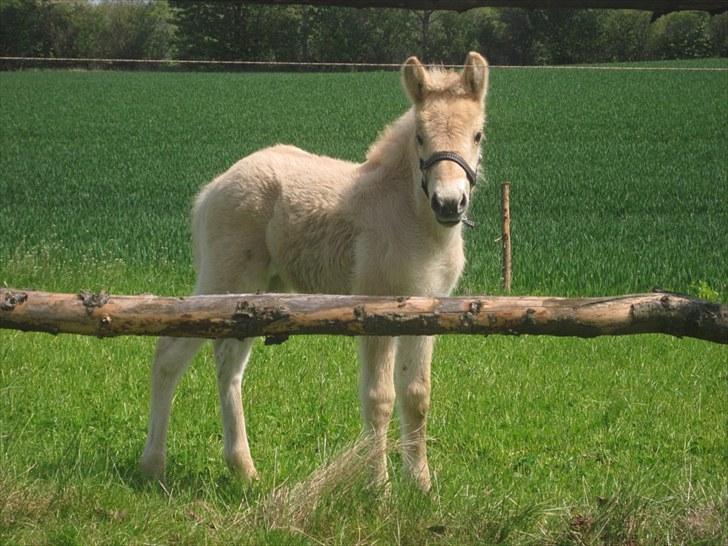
(376, 391)
(412, 383)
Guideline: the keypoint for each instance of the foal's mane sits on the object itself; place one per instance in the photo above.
(392, 148)
(446, 83)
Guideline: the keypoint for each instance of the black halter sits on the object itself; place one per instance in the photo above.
(436, 157)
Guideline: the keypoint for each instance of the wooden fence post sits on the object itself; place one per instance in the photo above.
(506, 237)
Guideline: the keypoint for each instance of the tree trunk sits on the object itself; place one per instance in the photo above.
(425, 18)
(277, 315)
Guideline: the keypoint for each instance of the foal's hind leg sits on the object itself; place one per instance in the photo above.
(412, 383)
(234, 264)
(171, 358)
(232, 356)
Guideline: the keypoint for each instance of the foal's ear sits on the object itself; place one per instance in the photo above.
(475, 75)
(414, 79)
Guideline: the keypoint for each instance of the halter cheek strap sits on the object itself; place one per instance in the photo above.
(436, 157)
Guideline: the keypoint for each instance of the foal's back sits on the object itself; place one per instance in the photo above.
(278, 216)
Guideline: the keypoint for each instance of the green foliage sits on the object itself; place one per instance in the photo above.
(719, 34)
(27, 28)
(136, 30)
(680, 35)
(623, 35)
(618, 184)
(231, 31)
(356, 35)
(565, 36)
(244, 31)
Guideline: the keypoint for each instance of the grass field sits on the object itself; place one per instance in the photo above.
(619, 184)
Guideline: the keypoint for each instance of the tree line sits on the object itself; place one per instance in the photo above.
(174, 29)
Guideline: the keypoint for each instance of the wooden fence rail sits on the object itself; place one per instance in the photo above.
(278, 315)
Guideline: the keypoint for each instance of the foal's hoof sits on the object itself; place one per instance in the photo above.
(421, 478)
(152, 468)
(424, 485)
(250, 476)
(379, 483)
(243, 469)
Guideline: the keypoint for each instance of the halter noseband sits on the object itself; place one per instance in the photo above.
(436, 157)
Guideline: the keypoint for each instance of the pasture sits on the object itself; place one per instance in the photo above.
(619, 184)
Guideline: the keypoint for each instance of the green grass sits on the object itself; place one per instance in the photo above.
(619, 184)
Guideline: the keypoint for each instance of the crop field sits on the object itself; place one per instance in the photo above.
(619, 183)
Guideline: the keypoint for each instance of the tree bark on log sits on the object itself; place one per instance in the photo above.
(279, 315)
(658, 6)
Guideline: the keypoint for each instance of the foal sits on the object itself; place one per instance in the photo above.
(284, 219)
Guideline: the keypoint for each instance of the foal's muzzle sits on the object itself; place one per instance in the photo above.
(450, 210)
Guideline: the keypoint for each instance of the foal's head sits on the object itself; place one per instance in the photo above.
(449, 115)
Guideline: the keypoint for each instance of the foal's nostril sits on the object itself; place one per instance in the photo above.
(437, 204)
(447, 208)
(463, 204)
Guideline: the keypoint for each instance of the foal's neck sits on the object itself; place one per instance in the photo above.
(395, 155)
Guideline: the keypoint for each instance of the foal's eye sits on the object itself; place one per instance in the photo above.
(478, 137)
(419, 139)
